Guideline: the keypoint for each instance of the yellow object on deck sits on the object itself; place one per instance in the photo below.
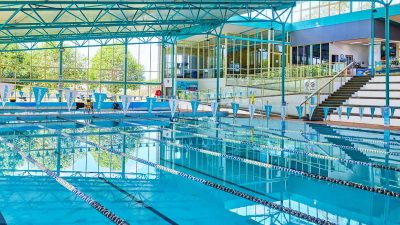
(252, 98)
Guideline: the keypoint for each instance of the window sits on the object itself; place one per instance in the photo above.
(316, 54)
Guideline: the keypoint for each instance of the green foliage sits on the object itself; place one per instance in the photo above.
(108, 65)
(15, 60)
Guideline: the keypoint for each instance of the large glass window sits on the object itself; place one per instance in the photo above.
(294, 55)
(307, 10)
(86, 66)
(316, 54)
(307, 54)
(334, 8)
(325, 52)
(301, 55)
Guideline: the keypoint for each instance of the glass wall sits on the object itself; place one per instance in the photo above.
(250, 54)
(310, 54)
(307, 10)
(312, 60)
(87, 66)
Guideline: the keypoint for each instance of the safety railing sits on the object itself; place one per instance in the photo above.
(316, 97)
(274, 74)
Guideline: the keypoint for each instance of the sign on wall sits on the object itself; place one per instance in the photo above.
(310, 85)
(168, 82)
(187, 85)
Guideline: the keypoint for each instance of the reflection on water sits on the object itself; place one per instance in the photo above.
(82, 151)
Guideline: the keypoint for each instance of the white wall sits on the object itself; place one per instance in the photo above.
(360, 52)
(211, 83)
(377, 52)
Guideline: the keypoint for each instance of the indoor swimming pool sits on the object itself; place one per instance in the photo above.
(105, 169)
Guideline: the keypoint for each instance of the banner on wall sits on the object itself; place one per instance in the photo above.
(235, 108)
(268, 109)
(99, 98)
(125, 100)
(5, 92)
(385, 111)
(372, 112)
(150, 102)
(392, 111)
(70, 96)
(340, 111)
(283, 111)
(172, 105)
(361, 112)
(214, 108)
(348, 112)
(252, 109)
(183, 85)
(195, 105)
(39, 93)
(311, 111)
(326, 111)
(299, 111)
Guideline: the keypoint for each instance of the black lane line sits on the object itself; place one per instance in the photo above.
(225, 181)
(2, 220)
(139, 201)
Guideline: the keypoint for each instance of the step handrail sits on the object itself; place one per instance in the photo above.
(327, 83)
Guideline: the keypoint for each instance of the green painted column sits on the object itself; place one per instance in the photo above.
(173, 70)
(58, 154)
(373, 39)
(387, 48)
(60, 82)
(218, 56)
(162, 65)
(283, 64)
(123, 158)
(125, 64)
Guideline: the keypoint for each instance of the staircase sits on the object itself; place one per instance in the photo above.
(337, 98)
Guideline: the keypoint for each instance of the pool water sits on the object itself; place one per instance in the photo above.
(106, 170)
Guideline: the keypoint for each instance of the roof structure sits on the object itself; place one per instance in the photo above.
(60, 20)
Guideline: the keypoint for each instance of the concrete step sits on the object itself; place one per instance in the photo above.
(340, 96)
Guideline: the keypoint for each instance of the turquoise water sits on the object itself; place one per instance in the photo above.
(196, 171)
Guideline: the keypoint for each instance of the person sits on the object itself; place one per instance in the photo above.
(89, 106)
(116, 106)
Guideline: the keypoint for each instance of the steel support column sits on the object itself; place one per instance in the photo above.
(123, 158)
(162, 66)
(387, 51)
(173, 70)
(218, 56)
(125, 64)
(58, 153)
(283, 63)
(60, 82)
(372, 61)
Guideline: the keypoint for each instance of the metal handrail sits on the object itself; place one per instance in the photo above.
(327, 83)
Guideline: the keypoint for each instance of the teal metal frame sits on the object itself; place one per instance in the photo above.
(387, 52)
(61, 77)
(218, 66)
(48, 21)
(173, 92)
(125, 65)
(373, 39)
